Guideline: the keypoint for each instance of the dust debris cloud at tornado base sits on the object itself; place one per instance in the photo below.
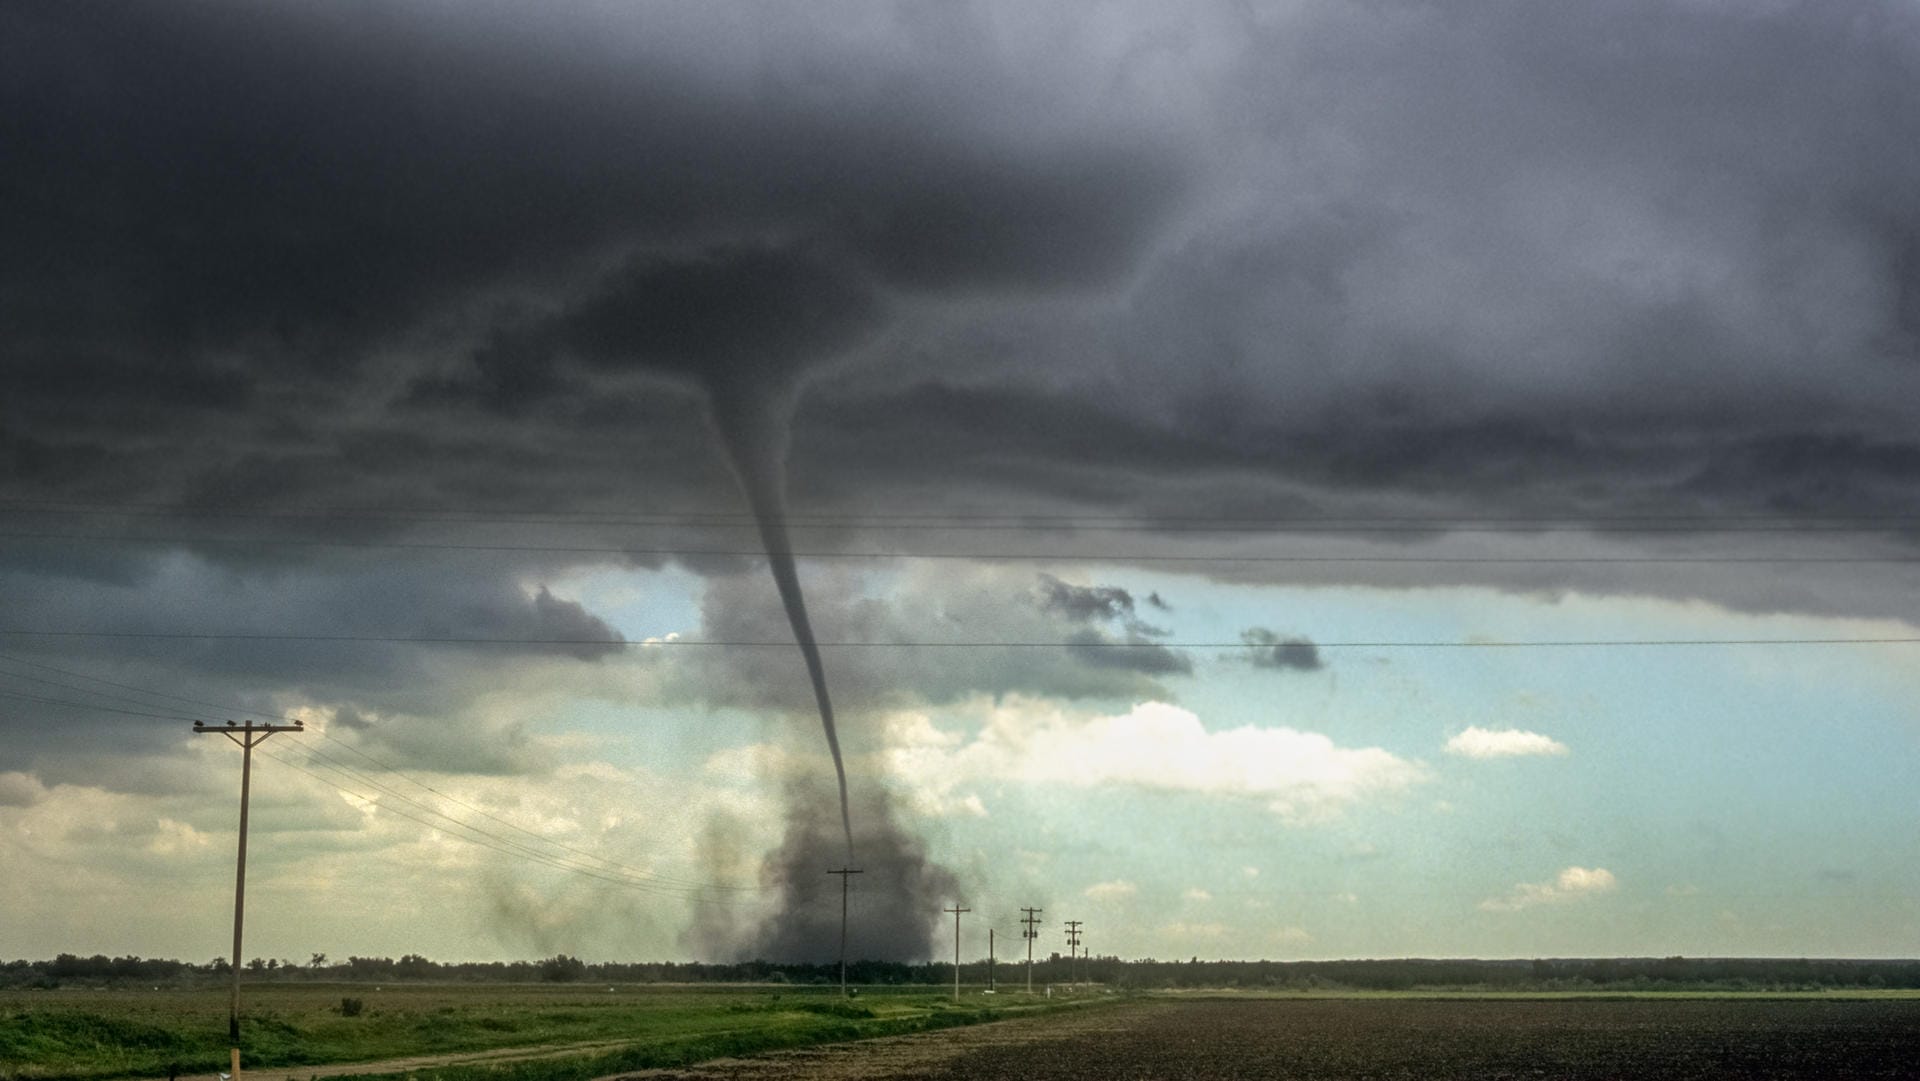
(895, 908)
(1289, 480)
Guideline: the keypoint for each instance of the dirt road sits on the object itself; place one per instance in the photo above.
(403, 1065)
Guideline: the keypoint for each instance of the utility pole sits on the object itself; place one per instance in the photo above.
(990, 984)
(246, 737)
(1073, 946)
(956, 910)
(1030, 934)
(843, 873)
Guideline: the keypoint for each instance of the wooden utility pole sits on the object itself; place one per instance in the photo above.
(1030, 934)
(1073, 947)
(956, 910)
(843, 873)
(246, 737)
(990, 984)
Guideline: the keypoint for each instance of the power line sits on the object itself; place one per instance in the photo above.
(664, 881)
(10, 659)
(89, 706)
(625, 869)
(690, 643)
(990, 557)
(962, 520)
(97, 694)
(483, 838)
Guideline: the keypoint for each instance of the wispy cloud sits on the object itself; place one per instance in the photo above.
(1117, 890)
(1181, 929)
(1571, 884)
(1479, 742)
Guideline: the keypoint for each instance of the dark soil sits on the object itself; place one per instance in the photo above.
(1426, 1039)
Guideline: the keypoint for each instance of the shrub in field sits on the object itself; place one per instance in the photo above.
(351, 1007)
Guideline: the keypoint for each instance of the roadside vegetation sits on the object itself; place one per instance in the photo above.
(90, 1035)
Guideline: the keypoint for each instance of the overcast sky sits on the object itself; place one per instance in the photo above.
(1311, 479)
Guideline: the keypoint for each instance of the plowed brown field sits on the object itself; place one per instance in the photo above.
(1344, 1040)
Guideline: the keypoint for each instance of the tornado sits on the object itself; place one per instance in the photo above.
(743, 324)
(753, 428)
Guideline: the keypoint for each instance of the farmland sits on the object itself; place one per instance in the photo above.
(1571, 1038)
(743, 1033)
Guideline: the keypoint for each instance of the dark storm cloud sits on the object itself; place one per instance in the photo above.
(1285, 652)
(1134, 652)
(733, 320)
(1084, 603)
(1177, 265)
(1502, 254)
(567, 621)
(248, 206)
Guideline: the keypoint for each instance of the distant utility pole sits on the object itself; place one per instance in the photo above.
(1073, 946)
(990, 984)
(843, 873)
(246, 737)
(1030, 934)
(956, 910)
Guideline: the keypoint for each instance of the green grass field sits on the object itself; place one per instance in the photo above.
(87, 1035)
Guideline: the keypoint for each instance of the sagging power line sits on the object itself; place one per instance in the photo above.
(692, 643)
(949, 520)
(601, 867)
(677, 551)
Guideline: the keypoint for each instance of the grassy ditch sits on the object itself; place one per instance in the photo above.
(97, 1035)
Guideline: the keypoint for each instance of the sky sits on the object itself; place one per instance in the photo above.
(1267, 480)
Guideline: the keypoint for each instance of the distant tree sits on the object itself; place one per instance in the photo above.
(562, 968)
(318, 960)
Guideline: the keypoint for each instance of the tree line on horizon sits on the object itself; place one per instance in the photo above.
(1543, 974)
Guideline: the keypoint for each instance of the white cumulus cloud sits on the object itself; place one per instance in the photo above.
(1300, 776)
(1571, 884)
(1479, 742)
